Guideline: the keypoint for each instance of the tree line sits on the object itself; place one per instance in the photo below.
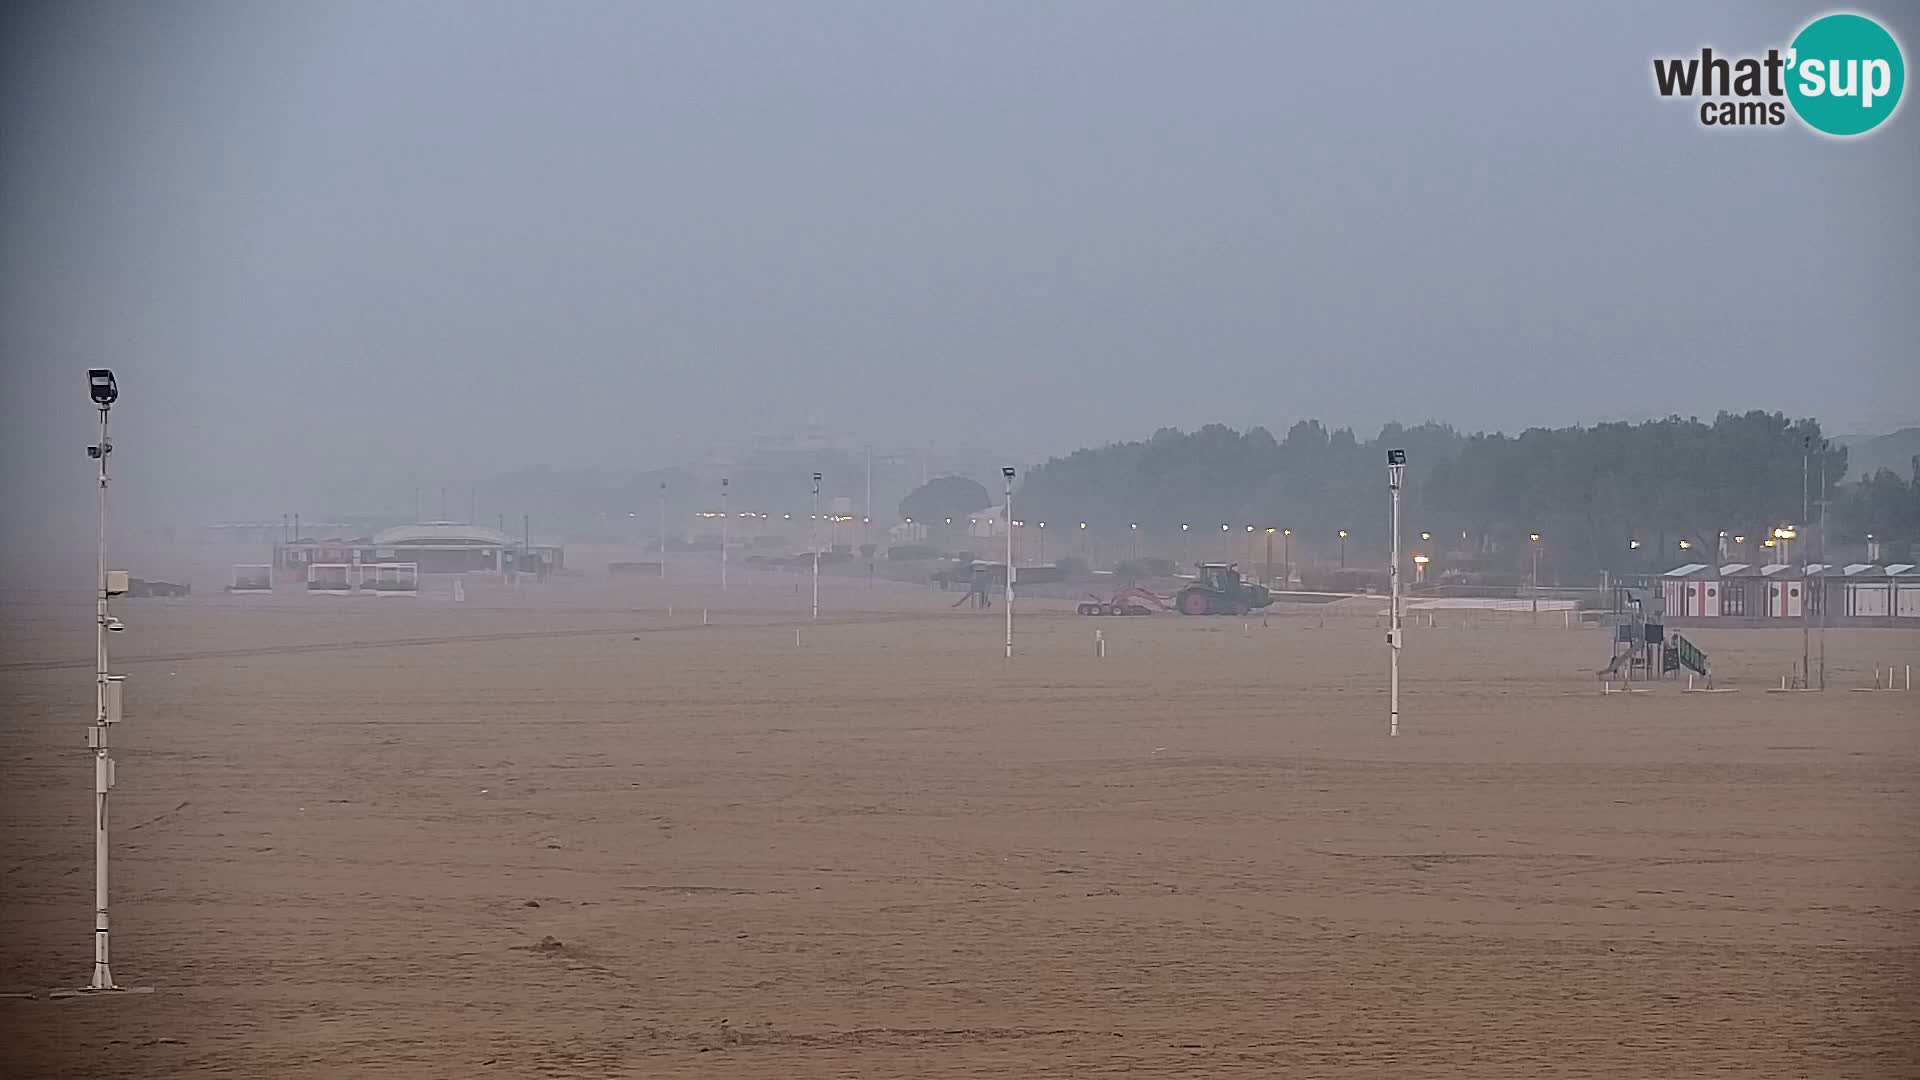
(1607, 496)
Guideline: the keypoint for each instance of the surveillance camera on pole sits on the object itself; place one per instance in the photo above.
(1006, 472)
(1396, 470)
(104, 391)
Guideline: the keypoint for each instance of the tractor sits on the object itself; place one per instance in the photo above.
(1220, 590)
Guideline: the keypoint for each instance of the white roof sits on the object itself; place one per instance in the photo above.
(1774, 568)
(1899, 568)
(1687, 570)
(1859, 567)
(1733, 568)
(442, 532)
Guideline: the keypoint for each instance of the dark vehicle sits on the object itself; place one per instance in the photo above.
(143, 587)
(1221, 591)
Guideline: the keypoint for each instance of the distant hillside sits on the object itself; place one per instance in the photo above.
(1868, 453)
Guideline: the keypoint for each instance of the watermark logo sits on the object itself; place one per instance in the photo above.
(1842, 75)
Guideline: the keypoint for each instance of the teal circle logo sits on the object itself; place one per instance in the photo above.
(1845, 74)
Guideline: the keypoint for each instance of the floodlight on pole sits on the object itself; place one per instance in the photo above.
(1006, 473)
(724, 518)
(814, 529)
(1396, 471)
(663, 530)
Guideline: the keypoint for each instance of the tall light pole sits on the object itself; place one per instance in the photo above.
(1043, 543)
(1286, 535)
(106, 698)
(1249, 543)
(1343, 546)
(1533, 582)
(1006, 472)
(1186, 547)
(815, 531)
(1267, 570)
(1806, 579)
(725, 519)
(1823, 559)
(1396, 468)
(1133, 541)
(663, 530)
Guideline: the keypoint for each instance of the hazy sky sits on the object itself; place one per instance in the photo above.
(440, 239)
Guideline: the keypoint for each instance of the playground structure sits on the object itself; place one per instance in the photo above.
(1642, 649)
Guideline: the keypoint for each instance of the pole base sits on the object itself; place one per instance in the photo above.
(100, 991)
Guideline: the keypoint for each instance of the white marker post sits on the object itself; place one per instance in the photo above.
(814, 532)
(1396, 468)
(1007, 473)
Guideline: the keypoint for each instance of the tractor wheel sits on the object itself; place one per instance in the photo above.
(1194, 603)
(1113, 609)
(1088, 609)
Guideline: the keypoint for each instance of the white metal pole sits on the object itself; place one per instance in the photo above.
(725, 519)
(815, 531)
(102, 762)
(1396, 466)
(1008, 473)
(663, 530)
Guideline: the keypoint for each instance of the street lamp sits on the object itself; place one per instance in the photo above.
(1396, 471)
(1343, 549)
(813, 530)
(1133, 540)
(1286, 536)
(1267, 571)
(1006, 472)
(1533, 583)
(724, 518)
(1186, 548)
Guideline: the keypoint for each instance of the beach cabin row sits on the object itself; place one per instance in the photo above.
(1786, 591)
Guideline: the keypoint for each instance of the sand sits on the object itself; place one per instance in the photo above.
(560, 833)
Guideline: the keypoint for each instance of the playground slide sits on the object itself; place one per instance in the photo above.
(1688, 654)
(1613, 666)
